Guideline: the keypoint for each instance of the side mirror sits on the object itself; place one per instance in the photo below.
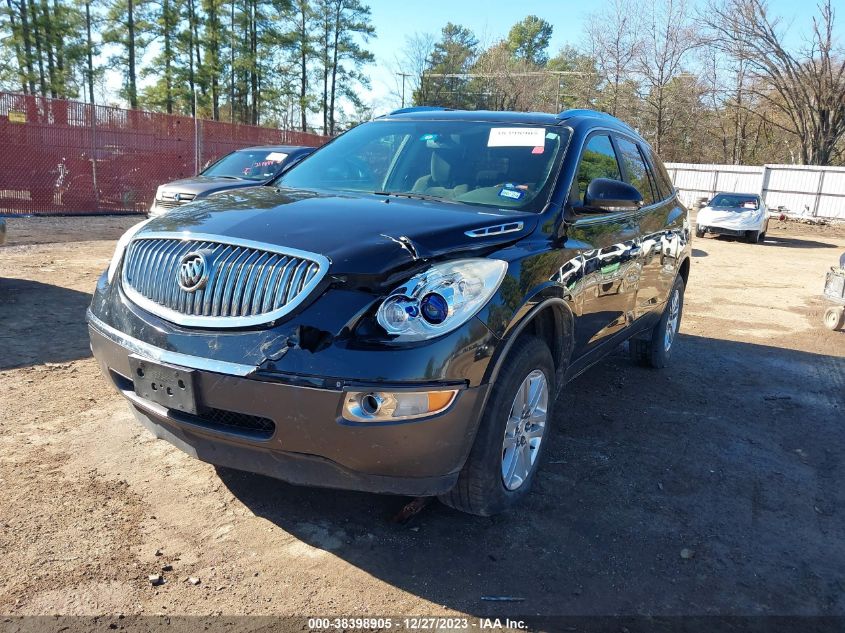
(606, 195)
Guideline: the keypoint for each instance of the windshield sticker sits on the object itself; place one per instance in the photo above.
(513, 194)
(276, 157)
(264, 163)
(428, 137)
(551, 136)
(749, 205)
(516, 137)
(538, 150)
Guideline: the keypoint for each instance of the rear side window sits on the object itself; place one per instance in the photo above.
(635, 169)
(664, 182)
(598, 160)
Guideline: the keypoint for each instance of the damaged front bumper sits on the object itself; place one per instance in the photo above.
(283, 417)
(730, 223)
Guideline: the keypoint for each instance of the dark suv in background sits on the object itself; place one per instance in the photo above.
(246, 167)
(398, 313)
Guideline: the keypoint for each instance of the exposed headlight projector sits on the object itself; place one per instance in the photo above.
(440, 299)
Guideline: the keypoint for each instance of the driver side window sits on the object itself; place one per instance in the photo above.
(598, 160)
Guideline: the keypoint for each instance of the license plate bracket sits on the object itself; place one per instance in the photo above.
(170, 386)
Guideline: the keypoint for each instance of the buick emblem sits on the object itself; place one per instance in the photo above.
(177, 197)
(193, 271)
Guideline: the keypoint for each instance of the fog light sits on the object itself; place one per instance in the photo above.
(386, 406)
(371, 403)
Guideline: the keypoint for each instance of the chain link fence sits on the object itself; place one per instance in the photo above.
(69, 157)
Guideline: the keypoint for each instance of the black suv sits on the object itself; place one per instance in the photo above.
(398, 312)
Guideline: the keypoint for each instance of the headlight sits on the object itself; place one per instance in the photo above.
(441, 299)
(122, 243)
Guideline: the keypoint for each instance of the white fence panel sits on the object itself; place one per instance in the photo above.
(794, 189)
(800, 189)
(832, 202)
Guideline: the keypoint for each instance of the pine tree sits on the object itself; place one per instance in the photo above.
(127, 27)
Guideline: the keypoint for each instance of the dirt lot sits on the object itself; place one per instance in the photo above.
(737, 454)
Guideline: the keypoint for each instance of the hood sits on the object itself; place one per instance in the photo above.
(359, 233)
(204, 185)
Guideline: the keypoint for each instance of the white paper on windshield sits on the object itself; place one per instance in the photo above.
(517, 137)
(276, 157)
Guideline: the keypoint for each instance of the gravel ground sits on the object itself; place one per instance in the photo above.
(714, 487)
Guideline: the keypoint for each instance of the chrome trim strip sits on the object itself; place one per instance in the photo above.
(496, 229)
(277, 312)
(165, 356)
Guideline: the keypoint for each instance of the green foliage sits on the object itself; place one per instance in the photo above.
(249, 61)
(345, 28)
(529, 40)
(454, 54)
(41, 46)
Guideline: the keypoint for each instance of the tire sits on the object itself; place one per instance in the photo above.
(653, 350)
(752, 236)
(481, 488)
(699, 232)
(834, 318)
(762, 237)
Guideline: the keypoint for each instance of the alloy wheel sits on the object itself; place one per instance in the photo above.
(525, 429)
(672, 321)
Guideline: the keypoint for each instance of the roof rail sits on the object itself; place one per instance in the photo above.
(568, 114)
(418, 109)
(574, 112)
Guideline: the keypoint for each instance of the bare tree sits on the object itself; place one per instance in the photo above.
(668, 37)
(613, 42)
(805, 88)
(413, 61)
(502, 82)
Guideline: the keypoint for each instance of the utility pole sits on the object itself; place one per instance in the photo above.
(196, 136)
(403, 75)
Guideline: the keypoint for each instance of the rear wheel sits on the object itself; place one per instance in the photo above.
(512, 435)
(834, 318)
(699, 232)
(655, 349)
(752, 236)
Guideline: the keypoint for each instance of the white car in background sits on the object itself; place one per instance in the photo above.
(736, 214)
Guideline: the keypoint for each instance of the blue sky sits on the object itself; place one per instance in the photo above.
(490, 21)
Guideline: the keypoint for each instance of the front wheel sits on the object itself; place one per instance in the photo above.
(512, 435)
(656, 348)
(753, 236)
(699, 232)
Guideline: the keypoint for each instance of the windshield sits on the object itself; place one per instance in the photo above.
(738, 201)
(248, 165)
(483, 163)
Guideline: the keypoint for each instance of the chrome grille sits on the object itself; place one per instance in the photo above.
(170, 201)
(170, 204)
(246, 283)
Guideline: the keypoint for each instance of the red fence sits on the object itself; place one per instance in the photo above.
(70, 157)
